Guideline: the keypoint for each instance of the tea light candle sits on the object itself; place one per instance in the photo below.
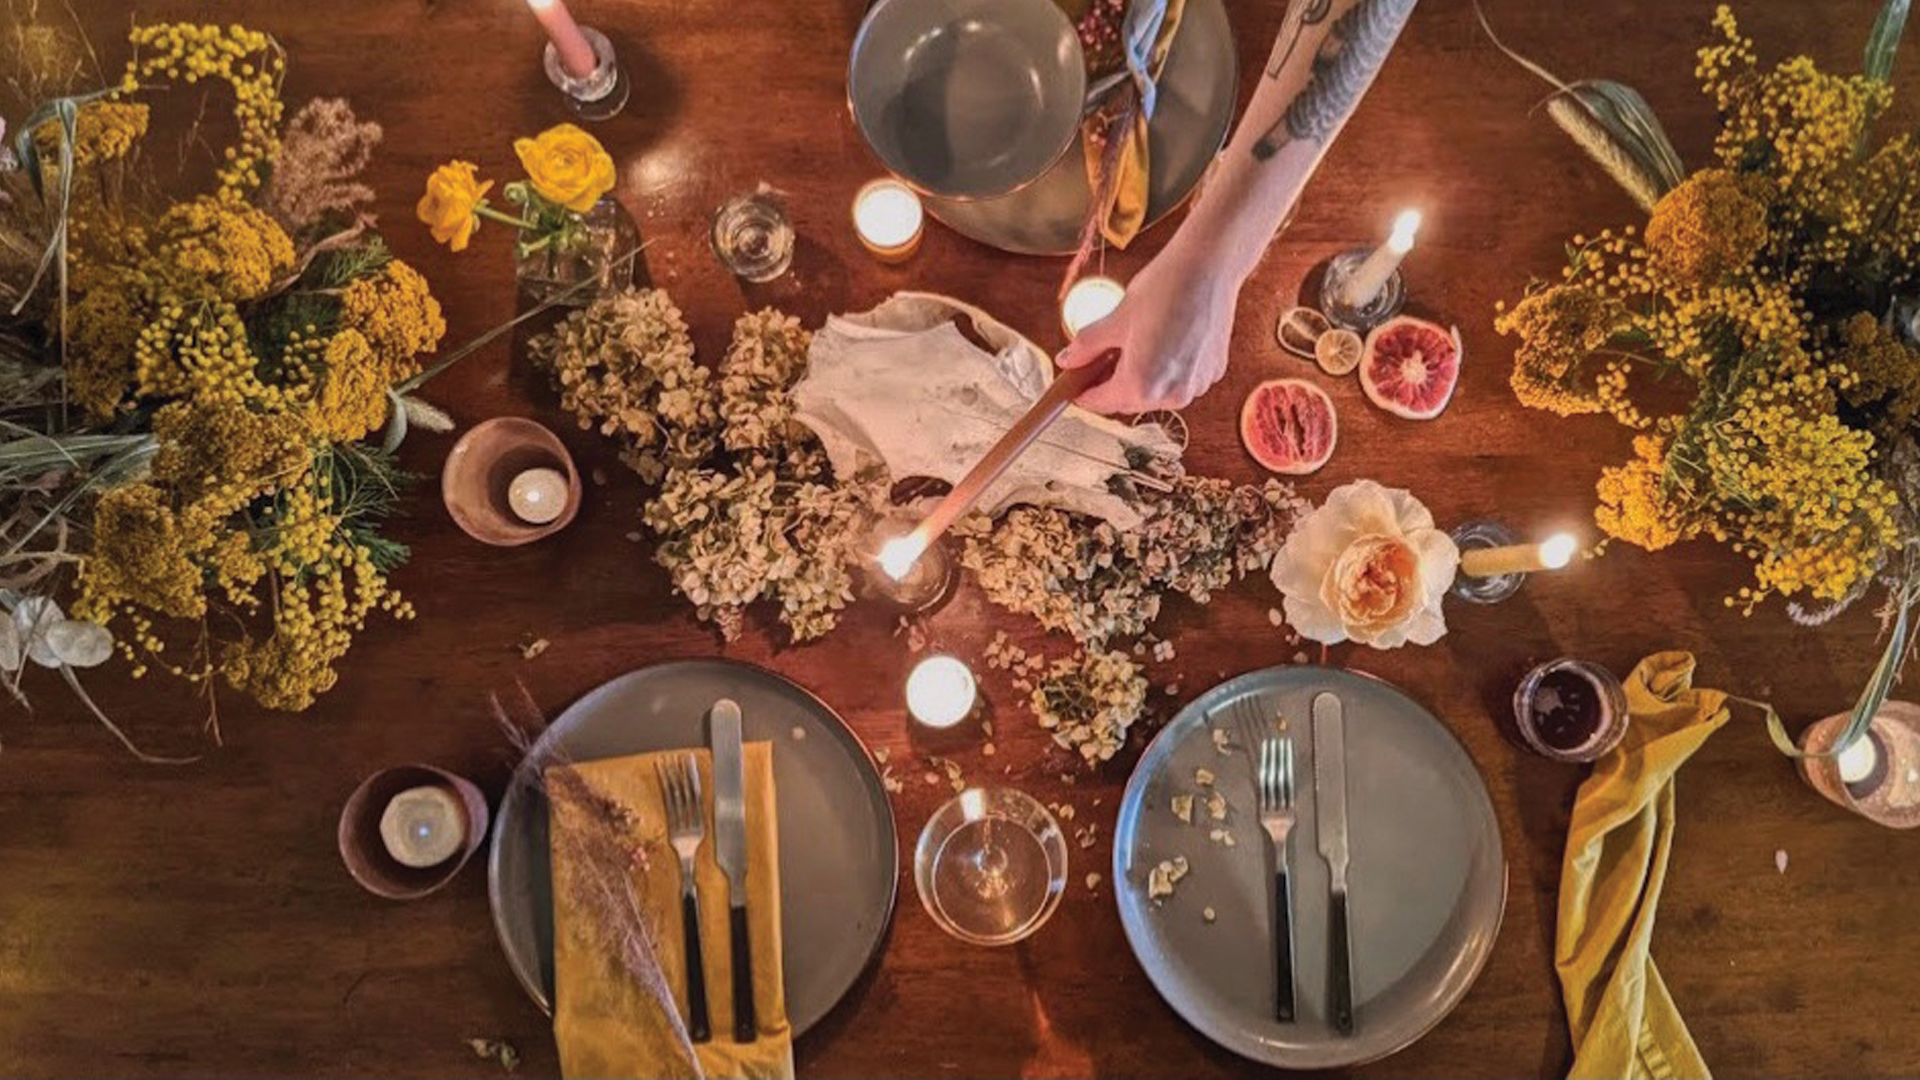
(1088, 301)
(940, 691)
(889, 220)
(1359, 289)
(576, 54)
(423, 826)
(1551, 554)
(537, 496)
(1856, 762)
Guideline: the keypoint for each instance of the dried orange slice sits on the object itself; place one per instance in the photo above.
(1338, 352)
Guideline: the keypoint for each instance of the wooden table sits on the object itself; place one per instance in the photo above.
(197, 921)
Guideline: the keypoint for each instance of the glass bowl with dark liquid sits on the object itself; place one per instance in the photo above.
(1570, 710)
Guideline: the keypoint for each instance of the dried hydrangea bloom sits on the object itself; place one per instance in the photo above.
(625, 368)
(1095, 582)
(1089, 701)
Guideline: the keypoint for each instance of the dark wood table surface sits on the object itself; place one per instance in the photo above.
(197, 920)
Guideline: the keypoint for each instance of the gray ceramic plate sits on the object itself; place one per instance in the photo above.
(838, 861)
(1427, 882)
(1189, 126)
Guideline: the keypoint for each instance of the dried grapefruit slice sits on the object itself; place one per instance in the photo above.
(1411, 367)
(1289, 426)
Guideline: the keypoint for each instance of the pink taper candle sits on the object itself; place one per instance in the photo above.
(576, 55)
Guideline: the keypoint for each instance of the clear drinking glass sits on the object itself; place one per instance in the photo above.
(752, 238)
(991, 865)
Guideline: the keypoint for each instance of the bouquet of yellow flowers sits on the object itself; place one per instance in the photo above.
(1782, 286)
(186, 382)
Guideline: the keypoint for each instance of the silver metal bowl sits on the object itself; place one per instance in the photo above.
(967, 99)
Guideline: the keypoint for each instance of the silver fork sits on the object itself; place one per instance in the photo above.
(1272, 756)
(686, 827)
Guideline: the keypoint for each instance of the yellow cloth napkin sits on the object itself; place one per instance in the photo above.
(1126, 209)
(1624, 1022)
(608, 1024)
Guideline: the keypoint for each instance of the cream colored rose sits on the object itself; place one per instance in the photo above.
(1367, 565)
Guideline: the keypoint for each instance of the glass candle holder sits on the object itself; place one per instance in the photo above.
(923, 584)
(990, 866)
(941, 691)
(1570, 710)
(889, 220)
(1475, 535)
(1088, 301)
(752, 238)
(601, 94)
(1385, 304)
(584, 261)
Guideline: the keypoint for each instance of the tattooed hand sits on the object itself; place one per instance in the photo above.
(1173, 327)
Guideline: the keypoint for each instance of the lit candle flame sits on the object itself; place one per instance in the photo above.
(1558, 550)
(898, 555)
(1404, 226)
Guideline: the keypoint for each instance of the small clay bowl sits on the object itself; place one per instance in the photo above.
(481, 467)
(366, 855)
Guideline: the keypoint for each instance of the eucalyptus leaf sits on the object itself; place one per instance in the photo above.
(396, 422)
(81, 644)
(33, 616)
(1884, 39)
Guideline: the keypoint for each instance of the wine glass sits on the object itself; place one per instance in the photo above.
(991, 865)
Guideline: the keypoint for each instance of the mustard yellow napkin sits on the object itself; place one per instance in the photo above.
(1126, 210)
(607, 1022)
(1624, 1022)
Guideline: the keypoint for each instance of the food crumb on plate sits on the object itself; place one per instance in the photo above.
(1207, 913)
(1162, 878)
(1203, 777)
(1183, 808)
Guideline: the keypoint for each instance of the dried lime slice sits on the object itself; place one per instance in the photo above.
(1299, 329)
(1338, 352)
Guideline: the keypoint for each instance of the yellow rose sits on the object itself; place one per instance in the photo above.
(448, 208)
(567, 166)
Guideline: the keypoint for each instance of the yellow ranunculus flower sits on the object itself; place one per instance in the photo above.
(567, 166)
(448, 208)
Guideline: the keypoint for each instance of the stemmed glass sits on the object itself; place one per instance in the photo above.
(991, 865)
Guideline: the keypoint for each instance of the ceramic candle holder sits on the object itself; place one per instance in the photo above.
(365, 853)
(479, 475)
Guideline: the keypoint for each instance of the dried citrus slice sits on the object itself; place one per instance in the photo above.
(1338, 351)
(1299, 329)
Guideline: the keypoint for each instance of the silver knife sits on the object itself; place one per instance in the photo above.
(1330, 813)
(730, 851)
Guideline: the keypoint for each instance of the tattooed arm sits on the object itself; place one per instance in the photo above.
(1174, 325)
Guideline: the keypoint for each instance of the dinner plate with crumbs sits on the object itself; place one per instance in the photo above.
(1426, 883)
(839, 863)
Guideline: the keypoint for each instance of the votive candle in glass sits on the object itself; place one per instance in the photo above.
(889, 220)
(940, 691)
(1089, 300)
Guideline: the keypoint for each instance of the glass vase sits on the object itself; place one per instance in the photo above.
(581, 262)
